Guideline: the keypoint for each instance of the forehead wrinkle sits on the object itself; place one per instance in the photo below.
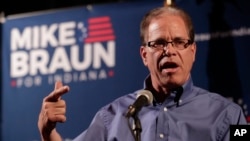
(157, 31)
(176, 29)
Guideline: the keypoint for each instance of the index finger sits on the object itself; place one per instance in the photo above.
(59, 90)
(58, 85)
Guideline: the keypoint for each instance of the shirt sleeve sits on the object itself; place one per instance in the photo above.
(237, 118)
(95, 132)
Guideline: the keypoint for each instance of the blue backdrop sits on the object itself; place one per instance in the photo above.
(95, 50)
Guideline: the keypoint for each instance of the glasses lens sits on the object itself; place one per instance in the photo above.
(177, 43)
(181, 43)
(157, 44)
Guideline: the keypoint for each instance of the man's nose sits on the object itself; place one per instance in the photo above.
(169, 49)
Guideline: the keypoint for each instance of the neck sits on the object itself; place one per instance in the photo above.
(161, 95)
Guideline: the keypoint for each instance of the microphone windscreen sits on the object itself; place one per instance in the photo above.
(147, 94)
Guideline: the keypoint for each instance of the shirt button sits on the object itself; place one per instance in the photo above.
(161, 136)
(165, 109)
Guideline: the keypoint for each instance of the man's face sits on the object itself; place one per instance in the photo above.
(174, 68)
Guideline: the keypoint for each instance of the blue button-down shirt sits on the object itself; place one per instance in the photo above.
(198, 115)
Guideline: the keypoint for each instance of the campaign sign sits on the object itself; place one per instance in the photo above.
(93, 49)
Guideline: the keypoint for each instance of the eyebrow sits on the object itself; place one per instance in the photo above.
(163, 39)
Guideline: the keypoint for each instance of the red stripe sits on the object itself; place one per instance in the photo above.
(13, 83)
(98, 39)
(99, 19)
(99, 26)
(100, 32)
(248, 119)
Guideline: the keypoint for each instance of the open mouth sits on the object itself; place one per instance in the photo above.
(169, 66)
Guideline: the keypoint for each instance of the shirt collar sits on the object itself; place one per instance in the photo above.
(177, 95)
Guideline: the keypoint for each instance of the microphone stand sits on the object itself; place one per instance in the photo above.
(138, 128)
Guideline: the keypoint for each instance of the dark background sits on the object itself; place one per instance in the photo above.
(9, 7)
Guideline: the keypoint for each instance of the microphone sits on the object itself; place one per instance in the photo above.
(144, 98)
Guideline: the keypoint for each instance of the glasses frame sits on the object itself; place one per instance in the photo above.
(183, 44)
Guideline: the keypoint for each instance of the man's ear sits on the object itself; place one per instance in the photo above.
(194, 50)
(143, 53)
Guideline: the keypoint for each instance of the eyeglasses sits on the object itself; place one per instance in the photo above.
(179, 44)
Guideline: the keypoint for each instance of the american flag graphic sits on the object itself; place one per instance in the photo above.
(99, 30)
